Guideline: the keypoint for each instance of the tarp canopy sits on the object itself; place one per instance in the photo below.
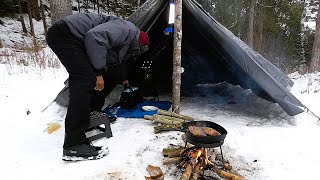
(211, 54)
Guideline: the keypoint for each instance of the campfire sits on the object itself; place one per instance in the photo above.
(197, 159)
(199, 163)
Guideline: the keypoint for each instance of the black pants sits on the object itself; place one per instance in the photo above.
(82, 78)
(110, 82)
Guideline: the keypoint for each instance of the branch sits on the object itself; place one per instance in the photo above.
(263, 5)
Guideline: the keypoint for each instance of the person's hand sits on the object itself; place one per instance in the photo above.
(125, 82)
(99, 83)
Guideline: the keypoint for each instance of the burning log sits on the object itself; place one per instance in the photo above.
(172, 114)
(197, 171)
(197, 162)
(187, 172)
(168, 160)
(155, 173)
(184, 163)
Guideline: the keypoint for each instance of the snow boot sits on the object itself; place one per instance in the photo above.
(84, 152)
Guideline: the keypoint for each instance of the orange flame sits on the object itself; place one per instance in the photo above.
(200, 155)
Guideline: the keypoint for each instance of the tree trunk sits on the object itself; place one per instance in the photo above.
(79, 6)
(98, 7)
(45, 26)
(115, 6)
(1, 45)
(315, 59)
(23, 24)
(35, 9)
(108, 6)
(250, 30)
(60, 9)
(260, 38)
(31, 23)
(177, 41)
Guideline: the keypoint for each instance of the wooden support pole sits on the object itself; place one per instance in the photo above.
(177, 42)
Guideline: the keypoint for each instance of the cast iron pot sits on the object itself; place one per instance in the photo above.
(204, 139)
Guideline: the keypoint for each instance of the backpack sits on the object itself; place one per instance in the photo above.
(130, 97)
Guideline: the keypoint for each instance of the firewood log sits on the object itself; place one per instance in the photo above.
(147, 117)
(196, 172)
(154, 171)
(227, 166)
(187, 173)
(182, 162)
(172, 152)
(167, 113)
(228, 175)
(166, 127)
(169, 118)
(164, 120)
(159, 178)
(168, 160)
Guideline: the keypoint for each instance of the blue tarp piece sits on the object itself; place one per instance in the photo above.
(137, 112)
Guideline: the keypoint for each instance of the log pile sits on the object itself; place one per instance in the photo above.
(196, 162)
(166, 120)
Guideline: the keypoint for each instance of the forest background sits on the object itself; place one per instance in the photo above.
(283, 31)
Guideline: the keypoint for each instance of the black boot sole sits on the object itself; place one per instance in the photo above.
(74, 158)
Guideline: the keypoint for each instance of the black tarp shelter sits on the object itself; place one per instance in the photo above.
(210, 54)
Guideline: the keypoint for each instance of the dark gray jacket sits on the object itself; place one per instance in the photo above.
(109, 40)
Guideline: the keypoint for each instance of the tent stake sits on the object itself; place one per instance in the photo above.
(312, 113)
(47, 106)
(177, 41)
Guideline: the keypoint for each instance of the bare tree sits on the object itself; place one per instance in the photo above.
(315, 58)
(98, 7)
(250, 30)
(1, 45)
(78, 6)
(35, 9)
(31, 22)
(23, 24)
(115, 6)
(108, 6)
(60, 9)
(45, 26)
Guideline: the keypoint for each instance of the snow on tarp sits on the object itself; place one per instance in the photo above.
(211, 54)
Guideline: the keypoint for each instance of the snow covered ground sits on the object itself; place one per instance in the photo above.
(262, 142)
